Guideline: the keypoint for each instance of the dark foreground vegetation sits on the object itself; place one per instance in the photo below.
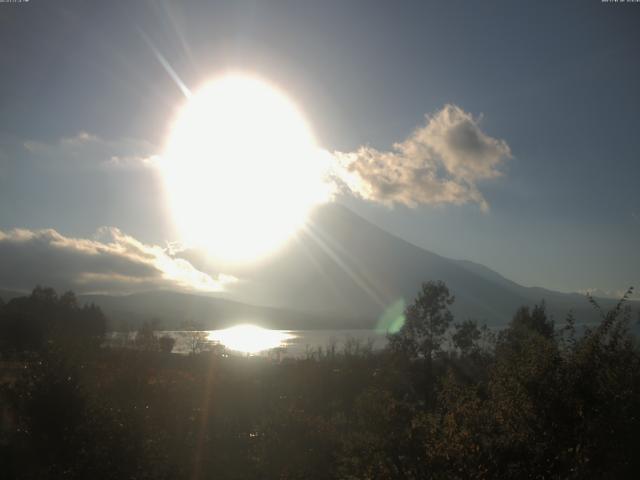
(536, 401)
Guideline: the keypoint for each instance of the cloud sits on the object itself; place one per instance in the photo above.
(439, 163)
(132, 161)
(112, 262)
(89, 150)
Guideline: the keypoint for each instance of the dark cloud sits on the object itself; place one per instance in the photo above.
(113, 262)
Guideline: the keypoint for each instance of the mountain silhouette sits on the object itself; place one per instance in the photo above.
(342, 266)
(340, 271)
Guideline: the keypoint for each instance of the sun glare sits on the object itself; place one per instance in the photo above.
(250, 338)
(242, 169)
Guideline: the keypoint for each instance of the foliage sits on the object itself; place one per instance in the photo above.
(529, 403)
(196, 338)
(427, 320)
(466, 337)
(44, 319)
(166, 343)
(535, 320)
(146, 338)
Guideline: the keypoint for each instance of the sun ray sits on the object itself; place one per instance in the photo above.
(166, 65)
(330, 248)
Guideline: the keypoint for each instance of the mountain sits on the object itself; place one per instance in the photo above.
(171, 309)
(340, 271)
(341, 265)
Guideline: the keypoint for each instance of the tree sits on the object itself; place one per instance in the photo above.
(195, 337)
(44, 319)
(146, 337)
(535, 320)
(166, 343)
(466, 337)
(426, 321)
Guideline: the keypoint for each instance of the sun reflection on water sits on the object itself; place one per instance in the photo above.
(250, 338)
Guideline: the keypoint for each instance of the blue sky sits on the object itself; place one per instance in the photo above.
(556, 81)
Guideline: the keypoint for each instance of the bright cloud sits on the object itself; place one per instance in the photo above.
(439, 163)
(112, 262)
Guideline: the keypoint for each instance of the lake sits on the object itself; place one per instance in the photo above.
(252, 340)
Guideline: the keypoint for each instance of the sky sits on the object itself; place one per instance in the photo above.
(522, 114)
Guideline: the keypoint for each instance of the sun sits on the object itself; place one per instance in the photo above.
(242, 169)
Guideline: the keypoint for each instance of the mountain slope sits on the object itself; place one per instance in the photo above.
(172, 309)
(342, 265)
(341, 271)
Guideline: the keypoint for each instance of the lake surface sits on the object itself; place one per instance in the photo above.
(290, 343)
(253, 340)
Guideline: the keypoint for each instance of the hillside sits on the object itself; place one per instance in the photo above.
(340, 271)
(171, 309)
(342, 264)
